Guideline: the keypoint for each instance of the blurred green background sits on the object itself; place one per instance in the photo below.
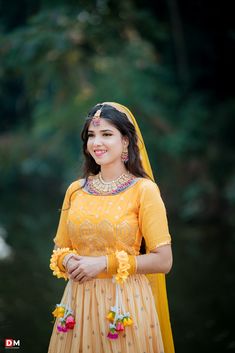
(172, 63)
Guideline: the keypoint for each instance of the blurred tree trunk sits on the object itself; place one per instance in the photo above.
(179, 41)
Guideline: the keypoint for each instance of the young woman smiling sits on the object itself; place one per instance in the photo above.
(115, 299)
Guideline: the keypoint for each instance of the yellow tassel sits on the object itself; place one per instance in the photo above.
(127, 321)
(110, 316)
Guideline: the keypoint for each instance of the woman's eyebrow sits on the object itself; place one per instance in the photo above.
(101, 130)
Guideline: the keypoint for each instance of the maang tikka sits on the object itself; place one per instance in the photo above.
(96, 118)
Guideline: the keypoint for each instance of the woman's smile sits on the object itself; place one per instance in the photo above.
(99, 153)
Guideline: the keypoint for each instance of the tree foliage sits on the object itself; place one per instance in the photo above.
(171, 62)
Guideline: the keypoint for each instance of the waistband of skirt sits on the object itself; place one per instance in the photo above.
(103, 275)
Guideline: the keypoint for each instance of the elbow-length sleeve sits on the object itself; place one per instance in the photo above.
(152, 216)
(62, 239)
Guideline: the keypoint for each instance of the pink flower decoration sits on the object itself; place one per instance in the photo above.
(70, 322)
(62, 328)
(119, 326)
(112, 336)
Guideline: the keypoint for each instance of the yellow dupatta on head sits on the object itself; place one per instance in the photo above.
(157, 281)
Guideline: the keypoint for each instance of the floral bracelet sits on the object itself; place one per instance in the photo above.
(123, 266)
(54, 260)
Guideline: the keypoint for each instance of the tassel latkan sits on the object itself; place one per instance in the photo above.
(117, 315)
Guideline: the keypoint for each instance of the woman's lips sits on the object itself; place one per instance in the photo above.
(99, 153)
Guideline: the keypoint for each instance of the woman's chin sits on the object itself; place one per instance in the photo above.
(99, 162)
(103, 163)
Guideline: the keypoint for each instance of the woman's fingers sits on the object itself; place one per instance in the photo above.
(83, 275)
(82, 278)
(78, 275)
(72, 269)
(74, 273)
(85, 279)
(82, 266)
(74, 264)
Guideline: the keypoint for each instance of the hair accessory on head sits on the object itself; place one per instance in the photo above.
(96, 118)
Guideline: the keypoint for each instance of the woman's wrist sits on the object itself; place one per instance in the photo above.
(56, 261)
(66, 260)
(113, 263)
(104, 263)
(133, 264)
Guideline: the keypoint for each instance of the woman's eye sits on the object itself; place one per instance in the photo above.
(105, 134)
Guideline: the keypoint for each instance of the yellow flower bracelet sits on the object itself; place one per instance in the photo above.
(121, 264)
(56, 262)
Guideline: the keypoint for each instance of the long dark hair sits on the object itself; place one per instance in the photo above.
(127, 129)
(120, 121)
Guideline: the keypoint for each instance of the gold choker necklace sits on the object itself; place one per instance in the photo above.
(97, 186)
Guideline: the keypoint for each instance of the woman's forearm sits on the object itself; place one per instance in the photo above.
(157, 262)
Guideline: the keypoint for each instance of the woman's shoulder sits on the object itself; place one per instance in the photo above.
(148, 189)
(76, 184)
(147, 184)
(149, 192)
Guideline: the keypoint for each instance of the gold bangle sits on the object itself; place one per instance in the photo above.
(60, 261)
(112, 264)
(133, 264)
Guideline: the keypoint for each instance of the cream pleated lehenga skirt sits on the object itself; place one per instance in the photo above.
(91, 303)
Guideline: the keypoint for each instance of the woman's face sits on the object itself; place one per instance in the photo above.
(105, 143)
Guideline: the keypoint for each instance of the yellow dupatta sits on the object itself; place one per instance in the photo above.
(157, 281)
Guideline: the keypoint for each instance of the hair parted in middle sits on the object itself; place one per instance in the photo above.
(120, 121)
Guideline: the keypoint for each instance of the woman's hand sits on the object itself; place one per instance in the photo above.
(84, 268)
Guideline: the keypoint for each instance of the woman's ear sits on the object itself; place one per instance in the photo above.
(125, 141)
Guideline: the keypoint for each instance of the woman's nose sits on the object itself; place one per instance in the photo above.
(97, 141)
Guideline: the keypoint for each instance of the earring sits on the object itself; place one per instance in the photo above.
(124, 155)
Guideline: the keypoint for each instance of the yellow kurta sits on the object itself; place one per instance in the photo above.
(99, 225)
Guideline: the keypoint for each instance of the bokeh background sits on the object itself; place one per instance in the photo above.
(172, 63)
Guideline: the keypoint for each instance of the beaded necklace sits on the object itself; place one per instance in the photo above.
(97, 186)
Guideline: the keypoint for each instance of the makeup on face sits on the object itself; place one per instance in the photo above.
(104, 141)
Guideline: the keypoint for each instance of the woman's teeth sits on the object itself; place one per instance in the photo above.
(99, 153)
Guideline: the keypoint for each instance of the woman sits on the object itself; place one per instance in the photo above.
(109, 302)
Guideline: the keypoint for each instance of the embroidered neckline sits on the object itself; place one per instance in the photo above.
(89, 190)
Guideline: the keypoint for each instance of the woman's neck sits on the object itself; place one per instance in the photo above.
(109, 173)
